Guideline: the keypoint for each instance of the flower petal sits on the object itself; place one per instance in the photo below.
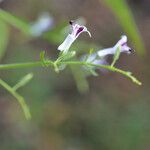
(76, 31)
(67, 43)
(105, 52)
(123, 45)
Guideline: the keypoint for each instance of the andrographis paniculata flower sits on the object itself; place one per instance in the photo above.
(76, 31)
(122, 43)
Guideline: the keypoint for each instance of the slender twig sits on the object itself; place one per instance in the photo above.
(20, 65)
(49, 62)
(111, 68)
(18, 97)
(54, 64)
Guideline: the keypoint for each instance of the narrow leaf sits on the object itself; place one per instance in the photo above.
(116, 56)
(93, 72)
(4, 36)
(15, 21)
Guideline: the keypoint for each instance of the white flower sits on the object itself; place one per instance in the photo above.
(76, 31)
(94, 59)
(122, 43)
(43, 24)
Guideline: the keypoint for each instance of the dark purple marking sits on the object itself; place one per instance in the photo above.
(130, 50)
(79, 30)
(123, 44)
(71, 22)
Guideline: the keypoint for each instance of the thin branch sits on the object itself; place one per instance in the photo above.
(49, 62)
(18, 97)
(111, 68)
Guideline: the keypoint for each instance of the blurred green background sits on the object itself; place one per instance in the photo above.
(114, 114)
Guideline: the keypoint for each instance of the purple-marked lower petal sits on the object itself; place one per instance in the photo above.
(79, 30)
(124, 44)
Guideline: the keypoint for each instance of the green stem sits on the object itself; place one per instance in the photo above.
(111, 68)
(25, 65)
(49, 62)
(18, 97)
(20, 65)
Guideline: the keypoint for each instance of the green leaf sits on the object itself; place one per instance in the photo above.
(4, 36)
(44, 61)
(122, 11)
(93, 72)
(15, 21)
(116, 56)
